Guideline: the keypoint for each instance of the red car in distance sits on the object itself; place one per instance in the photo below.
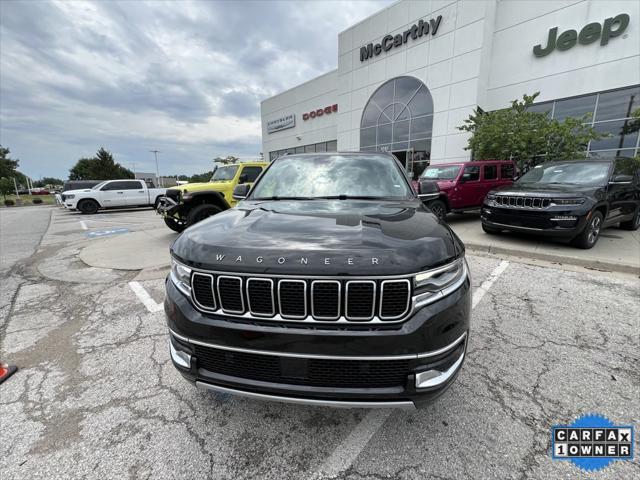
(460, 186)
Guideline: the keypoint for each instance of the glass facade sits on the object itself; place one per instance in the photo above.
(399, 117)
(330, 146)
(610, 114)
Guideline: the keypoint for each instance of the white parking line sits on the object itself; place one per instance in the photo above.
(83, 225)
(145, 298)
(346, 453)
(486, 285)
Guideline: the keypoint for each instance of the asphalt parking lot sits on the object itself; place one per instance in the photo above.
(96, 395)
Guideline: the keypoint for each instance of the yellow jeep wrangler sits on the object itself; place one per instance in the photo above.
(185, 205)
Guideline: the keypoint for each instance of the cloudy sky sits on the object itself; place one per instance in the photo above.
(185, 78)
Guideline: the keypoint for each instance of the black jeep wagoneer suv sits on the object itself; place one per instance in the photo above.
(329, 284)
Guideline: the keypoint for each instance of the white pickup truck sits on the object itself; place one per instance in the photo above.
(113, 194)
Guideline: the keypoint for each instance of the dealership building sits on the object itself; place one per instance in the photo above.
(410, 74)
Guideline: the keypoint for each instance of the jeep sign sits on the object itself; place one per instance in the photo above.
(612, 27)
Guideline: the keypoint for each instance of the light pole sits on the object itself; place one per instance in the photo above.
(155, 153)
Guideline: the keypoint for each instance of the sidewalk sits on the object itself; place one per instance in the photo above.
(617, 250)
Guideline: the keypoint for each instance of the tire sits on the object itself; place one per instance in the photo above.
(632, 224)
(201, 212)
(589, 236)
(489, 230)
(157, 202)
(438, 208)
(174, 225)
(88, 207)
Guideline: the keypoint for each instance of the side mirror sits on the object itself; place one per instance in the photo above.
(465, 177)
(621, 180)
(241, 191)
(243, 178)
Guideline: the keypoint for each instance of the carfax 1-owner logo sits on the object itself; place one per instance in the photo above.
(592, 442)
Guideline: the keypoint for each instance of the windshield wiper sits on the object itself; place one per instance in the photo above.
(351, 197)
(276, 198)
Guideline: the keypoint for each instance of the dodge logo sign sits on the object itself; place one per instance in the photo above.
(321, 111)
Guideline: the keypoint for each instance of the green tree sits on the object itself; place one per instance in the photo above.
(48, 181)
(8, 166)
(202, 177)
(100, 167)
(6, 186)
(526, 136)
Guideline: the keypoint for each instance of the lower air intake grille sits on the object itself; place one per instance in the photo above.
(304, 371)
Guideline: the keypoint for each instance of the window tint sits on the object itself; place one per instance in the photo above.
(490, 172)
(118, 186)
(507, 171)
(131, 185)
(574, 107)
(472, 173)
(251, 173)
(618, 104)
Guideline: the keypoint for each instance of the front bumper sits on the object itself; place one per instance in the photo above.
(402, 366)
(554, 222)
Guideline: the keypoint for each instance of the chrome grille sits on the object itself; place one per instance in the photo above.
(360, 300)
(260, 296)
(230, 294)
(522, 202)
(291, 299)
(202, 289)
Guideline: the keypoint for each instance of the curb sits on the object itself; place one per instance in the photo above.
(552, 257)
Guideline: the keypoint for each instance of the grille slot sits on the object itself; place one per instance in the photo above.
(394, 299)
(360, 300)
(303, 371)
(292, 298)
(202, 290)
(230, 294)
(260, 296)
(325, 299)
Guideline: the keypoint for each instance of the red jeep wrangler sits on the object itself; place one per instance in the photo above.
(455, 187)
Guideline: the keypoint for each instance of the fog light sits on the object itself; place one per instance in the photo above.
(487, 211)
(436, 378)
(179, 357)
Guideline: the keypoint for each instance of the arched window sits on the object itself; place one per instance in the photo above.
(398, 116)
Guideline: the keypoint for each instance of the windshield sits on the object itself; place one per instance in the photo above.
(578, 173)
(441, 173)
(333, 176)
(98, 186)
(223, 174)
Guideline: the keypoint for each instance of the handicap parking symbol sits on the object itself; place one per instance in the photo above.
(107, 232)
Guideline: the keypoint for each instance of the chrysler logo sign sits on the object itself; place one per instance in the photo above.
(390, 41)
(282, 123)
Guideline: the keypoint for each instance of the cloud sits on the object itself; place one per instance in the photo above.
(185, 78)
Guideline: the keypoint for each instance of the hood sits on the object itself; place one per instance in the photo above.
(542, 190)
(320, 238)
(73, 192)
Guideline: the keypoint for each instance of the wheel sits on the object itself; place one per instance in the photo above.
(201, 212)
(157, 202)
(589, 236)
(489, 230)
(88, 207)
(174, 224)
(632, 224)
(438, 208)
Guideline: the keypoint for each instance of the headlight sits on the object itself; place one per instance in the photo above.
(567, 201)
(491, 196)
(181, 277)
(67, 197)
(434, 284)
